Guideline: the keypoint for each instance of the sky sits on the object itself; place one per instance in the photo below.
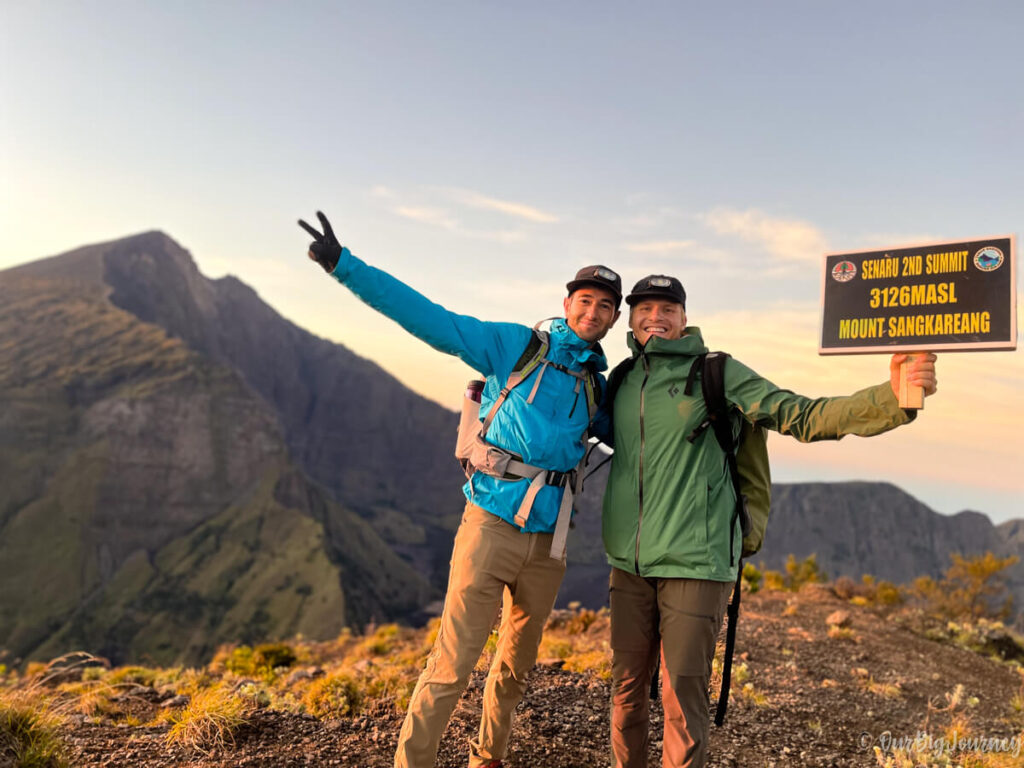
(483, 152)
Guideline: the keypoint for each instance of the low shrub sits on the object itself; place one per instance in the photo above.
(378, 643)
(336, 695)
(261, 661)
(136, 675)
(752, 577)
(972, 588)
(796, 575)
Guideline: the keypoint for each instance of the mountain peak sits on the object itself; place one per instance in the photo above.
(89, 263)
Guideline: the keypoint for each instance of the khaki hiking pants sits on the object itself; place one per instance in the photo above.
(677, 620)
(493, 564)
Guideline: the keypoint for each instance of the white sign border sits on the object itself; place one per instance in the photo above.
(981, 346)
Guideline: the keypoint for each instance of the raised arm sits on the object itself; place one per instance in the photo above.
(482, 345)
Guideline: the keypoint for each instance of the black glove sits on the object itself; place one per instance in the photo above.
(325, 249)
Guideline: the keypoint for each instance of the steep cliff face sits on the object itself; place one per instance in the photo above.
(122, 453)
(342, 417)
(876, 528)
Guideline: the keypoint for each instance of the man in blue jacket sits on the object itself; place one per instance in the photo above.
(506, 551)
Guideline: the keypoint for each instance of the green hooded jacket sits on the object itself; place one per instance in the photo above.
(669, 503)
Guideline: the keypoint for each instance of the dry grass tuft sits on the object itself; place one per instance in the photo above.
(30, 731)
(840, 633)
(210, 720)
(596, 662)
(32, 713)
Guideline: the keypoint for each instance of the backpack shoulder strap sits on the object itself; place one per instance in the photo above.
(536, 349)
(592, 389)
(533, 355)
(712, 386)
(617, 376)
(711, 368)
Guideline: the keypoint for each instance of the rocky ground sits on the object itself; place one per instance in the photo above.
(808, 699)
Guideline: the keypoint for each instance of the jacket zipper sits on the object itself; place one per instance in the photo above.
(640, 516)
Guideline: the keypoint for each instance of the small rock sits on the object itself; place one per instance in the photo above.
(551, 663)
(838, 618)
(176, 701)
(309, 673)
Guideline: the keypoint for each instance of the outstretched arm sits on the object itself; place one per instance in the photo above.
(867, 412)
(480, 344)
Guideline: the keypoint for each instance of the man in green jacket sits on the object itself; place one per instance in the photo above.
(668, 513)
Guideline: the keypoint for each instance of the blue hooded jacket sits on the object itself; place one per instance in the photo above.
(546, 433)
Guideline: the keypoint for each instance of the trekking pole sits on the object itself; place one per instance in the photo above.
(654, 681)
(730, 644)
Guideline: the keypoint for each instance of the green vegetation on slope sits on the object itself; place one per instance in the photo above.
(141, 512)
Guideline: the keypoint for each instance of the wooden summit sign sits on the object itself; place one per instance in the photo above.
(938, 296)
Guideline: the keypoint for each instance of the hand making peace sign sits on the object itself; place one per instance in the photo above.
(325, 249)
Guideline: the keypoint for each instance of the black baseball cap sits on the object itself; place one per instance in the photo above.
(602, 277)
(657, 287)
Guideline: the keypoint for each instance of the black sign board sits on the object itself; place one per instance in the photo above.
(929, 297)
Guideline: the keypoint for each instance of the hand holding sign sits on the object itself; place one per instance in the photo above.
(913, 378)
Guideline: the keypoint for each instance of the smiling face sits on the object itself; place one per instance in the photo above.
(590, 311)
(657, 317)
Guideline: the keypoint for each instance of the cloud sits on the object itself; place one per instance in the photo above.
(789, 241)
(634, 224)
(439, 207)
(661, 246)
(438, 217)
(516, 210)
(433, 216)
(881, 240)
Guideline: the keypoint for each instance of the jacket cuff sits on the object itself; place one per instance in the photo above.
(887, 398)
(344, 265)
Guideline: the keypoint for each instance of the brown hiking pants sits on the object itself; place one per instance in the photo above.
(493, 564)
(681, 618)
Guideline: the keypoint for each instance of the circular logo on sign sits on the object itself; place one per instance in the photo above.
(988, 259)
(844, 271)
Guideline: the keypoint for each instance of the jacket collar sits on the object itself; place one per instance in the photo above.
(581, 350)
(691, 343)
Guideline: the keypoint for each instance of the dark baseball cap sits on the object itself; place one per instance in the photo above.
(657, 287)
(601, 276)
